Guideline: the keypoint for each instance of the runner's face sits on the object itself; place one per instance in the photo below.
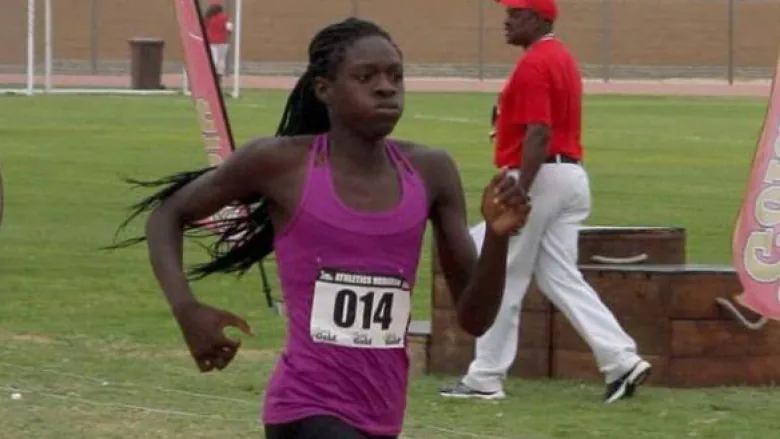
(367, 93)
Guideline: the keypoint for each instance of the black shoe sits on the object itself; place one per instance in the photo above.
(625, 386)
(463, 391)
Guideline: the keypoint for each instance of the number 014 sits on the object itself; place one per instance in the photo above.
(346, 309)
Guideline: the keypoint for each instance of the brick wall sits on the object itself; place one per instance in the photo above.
(636, 37)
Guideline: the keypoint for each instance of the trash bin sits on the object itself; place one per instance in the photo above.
(146, 63)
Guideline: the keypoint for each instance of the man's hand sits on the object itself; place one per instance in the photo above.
(203, 329)
(505, 206)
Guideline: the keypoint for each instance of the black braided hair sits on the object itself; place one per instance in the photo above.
(213, 9)
(248, 239)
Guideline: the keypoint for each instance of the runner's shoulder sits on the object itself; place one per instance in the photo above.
(277, 153)
(426, 159)
(433, 163)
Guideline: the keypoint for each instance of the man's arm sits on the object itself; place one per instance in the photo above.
(493, 120)
(533, 111)
(476, 284)
(535, 146)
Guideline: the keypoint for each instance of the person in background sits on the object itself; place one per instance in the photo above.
(537, 128)
(219, 30)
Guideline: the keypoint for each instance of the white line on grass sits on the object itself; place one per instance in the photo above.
(125, 406)
(464, 120)
(465, 433)
(486, 125)
(470, 434)
(105, 382)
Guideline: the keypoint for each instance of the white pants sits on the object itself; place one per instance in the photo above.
(219, 54)
(546, 248)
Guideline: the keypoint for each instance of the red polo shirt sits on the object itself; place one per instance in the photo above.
(545, 88)
(216, 29)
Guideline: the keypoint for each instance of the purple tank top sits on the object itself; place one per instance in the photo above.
(347, 278)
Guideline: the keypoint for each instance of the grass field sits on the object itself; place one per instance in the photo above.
(86, 336)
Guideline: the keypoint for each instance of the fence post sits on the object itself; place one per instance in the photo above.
(481, 39)
(730, 54)
(606, 39)
(230, 10)
(93, 52)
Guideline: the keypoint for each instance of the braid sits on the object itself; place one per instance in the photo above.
(246, 240)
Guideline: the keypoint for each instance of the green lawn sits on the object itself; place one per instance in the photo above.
(86, 336)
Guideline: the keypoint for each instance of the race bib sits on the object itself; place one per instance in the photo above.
(360, 310)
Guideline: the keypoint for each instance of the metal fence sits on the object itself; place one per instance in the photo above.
(612, 38)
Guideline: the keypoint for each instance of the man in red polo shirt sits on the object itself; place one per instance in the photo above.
(537, 135)
(219, 28)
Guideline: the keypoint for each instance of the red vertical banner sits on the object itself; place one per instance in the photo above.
(756, 239)
(206, 95)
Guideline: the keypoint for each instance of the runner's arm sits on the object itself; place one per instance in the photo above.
(476, 283)
(234, 179)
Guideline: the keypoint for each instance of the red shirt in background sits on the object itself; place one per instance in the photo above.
(217, 29)
(545, 88)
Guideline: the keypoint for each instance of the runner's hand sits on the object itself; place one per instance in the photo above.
(203, 329)
(505, 206)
